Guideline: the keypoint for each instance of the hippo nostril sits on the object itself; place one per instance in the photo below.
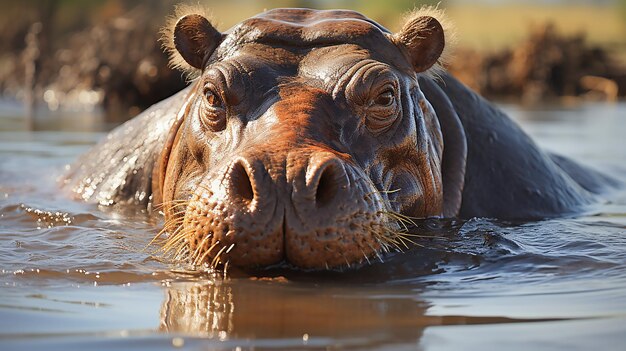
(241, 186)
(326, 186)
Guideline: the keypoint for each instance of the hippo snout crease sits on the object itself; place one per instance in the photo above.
(317, 213)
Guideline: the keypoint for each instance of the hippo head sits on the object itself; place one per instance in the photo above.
(303, 140)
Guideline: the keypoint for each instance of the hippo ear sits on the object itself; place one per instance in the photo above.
(189, 38)
(426, 37)
(424, 40)
(195, 39)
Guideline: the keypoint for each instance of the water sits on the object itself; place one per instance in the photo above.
(75, 276)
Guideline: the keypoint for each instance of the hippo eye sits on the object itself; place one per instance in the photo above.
(386, 98)
(214, 114)
(212, 99)
(383, 109)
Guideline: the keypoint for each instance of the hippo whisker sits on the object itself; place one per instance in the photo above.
(168, 225)
(225, 269)
(199, 259)
(175, 249)
(365, 256)
(175, 223)
(404, 220)
(386, 235)
(215, 260)
(154, 239)
(230, 248)
(174, 241)
(164, 230)
(398, 218)
(182, 251)
(162, 205)
(177, 215)
(389, 238)
(378, 255)
(196, 252)
(347, 262)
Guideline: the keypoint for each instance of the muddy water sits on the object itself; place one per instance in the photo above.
(74, 276)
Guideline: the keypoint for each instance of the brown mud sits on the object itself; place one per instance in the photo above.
(545, 66)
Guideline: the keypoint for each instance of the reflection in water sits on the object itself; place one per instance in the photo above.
(204, 309)
(241, 309)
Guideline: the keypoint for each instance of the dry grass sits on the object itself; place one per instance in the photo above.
(485, 27)
(480, 26)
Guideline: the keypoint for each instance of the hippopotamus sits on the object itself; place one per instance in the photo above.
(312, 137)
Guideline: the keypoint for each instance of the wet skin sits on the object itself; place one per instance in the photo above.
(308, 136)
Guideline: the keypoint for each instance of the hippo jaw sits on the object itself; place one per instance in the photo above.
(310, 160)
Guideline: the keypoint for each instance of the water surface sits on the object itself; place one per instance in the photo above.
(75, 276)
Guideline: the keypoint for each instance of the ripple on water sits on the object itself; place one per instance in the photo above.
(87, 276)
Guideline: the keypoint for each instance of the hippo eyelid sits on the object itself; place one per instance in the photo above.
(370, 79)
(388, 90)
(213, 110)
(352, 77)
(234, 78)
(374, 93)
(213, 98)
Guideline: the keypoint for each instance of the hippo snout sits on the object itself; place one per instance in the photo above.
(312, 210)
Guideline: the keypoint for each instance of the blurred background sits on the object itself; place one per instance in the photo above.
(103, 56)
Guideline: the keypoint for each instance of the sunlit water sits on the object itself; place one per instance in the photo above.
(73, 276)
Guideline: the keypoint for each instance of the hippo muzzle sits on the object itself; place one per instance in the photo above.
(308, 207)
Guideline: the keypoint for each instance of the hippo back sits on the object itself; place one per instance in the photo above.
(119, 169)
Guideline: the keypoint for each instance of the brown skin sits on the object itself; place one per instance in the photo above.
(289, 153)
(306, 130)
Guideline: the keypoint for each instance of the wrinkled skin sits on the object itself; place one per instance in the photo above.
(307, 130)
(295, 159)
